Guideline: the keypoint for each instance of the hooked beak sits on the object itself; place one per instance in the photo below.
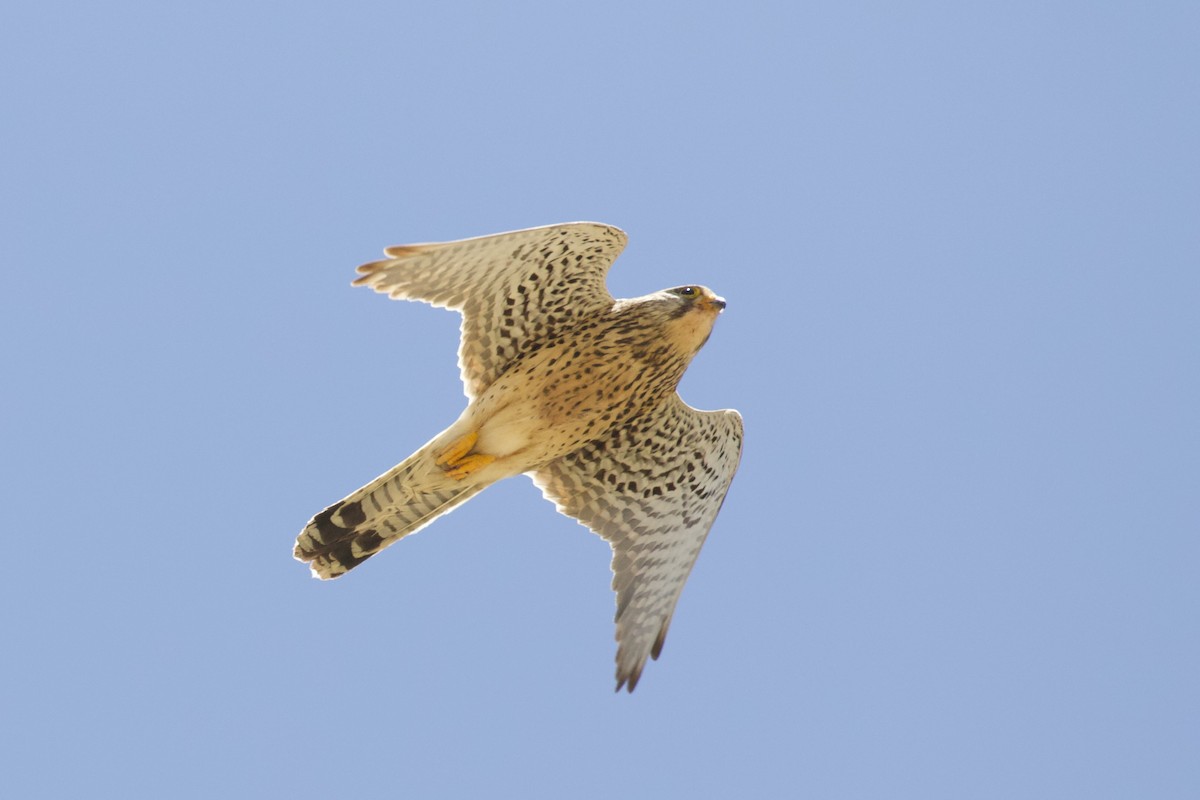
(712, 301)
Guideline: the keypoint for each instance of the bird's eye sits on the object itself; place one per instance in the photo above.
(687, 291)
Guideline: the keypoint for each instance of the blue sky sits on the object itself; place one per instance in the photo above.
(961, 250)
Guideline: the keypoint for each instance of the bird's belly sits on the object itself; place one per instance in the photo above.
(539, 415)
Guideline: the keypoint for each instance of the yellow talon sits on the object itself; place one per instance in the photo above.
(456, 461)
(468, 464)
(457, 451)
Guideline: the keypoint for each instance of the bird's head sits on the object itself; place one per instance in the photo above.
(690, 313)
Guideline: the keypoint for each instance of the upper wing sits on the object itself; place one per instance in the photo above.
(652, 489)
(510, 287)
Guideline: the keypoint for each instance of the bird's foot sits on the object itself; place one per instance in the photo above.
(458, 461)
(458, 450)
(467, 465)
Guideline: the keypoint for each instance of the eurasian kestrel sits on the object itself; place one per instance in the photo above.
(575, 389)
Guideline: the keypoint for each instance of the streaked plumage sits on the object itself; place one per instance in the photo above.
(572, 387)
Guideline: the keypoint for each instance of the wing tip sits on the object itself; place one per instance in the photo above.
(397, 252)
(367, 273)
(405, 250)
(373, 275)
(656, 650)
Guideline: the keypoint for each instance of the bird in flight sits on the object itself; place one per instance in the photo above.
(572, 387)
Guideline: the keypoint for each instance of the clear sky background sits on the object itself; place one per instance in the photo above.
(961, 248)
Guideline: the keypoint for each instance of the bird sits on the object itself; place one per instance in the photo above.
(575, 389)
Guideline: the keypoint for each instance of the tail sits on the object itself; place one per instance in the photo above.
(397, 503)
